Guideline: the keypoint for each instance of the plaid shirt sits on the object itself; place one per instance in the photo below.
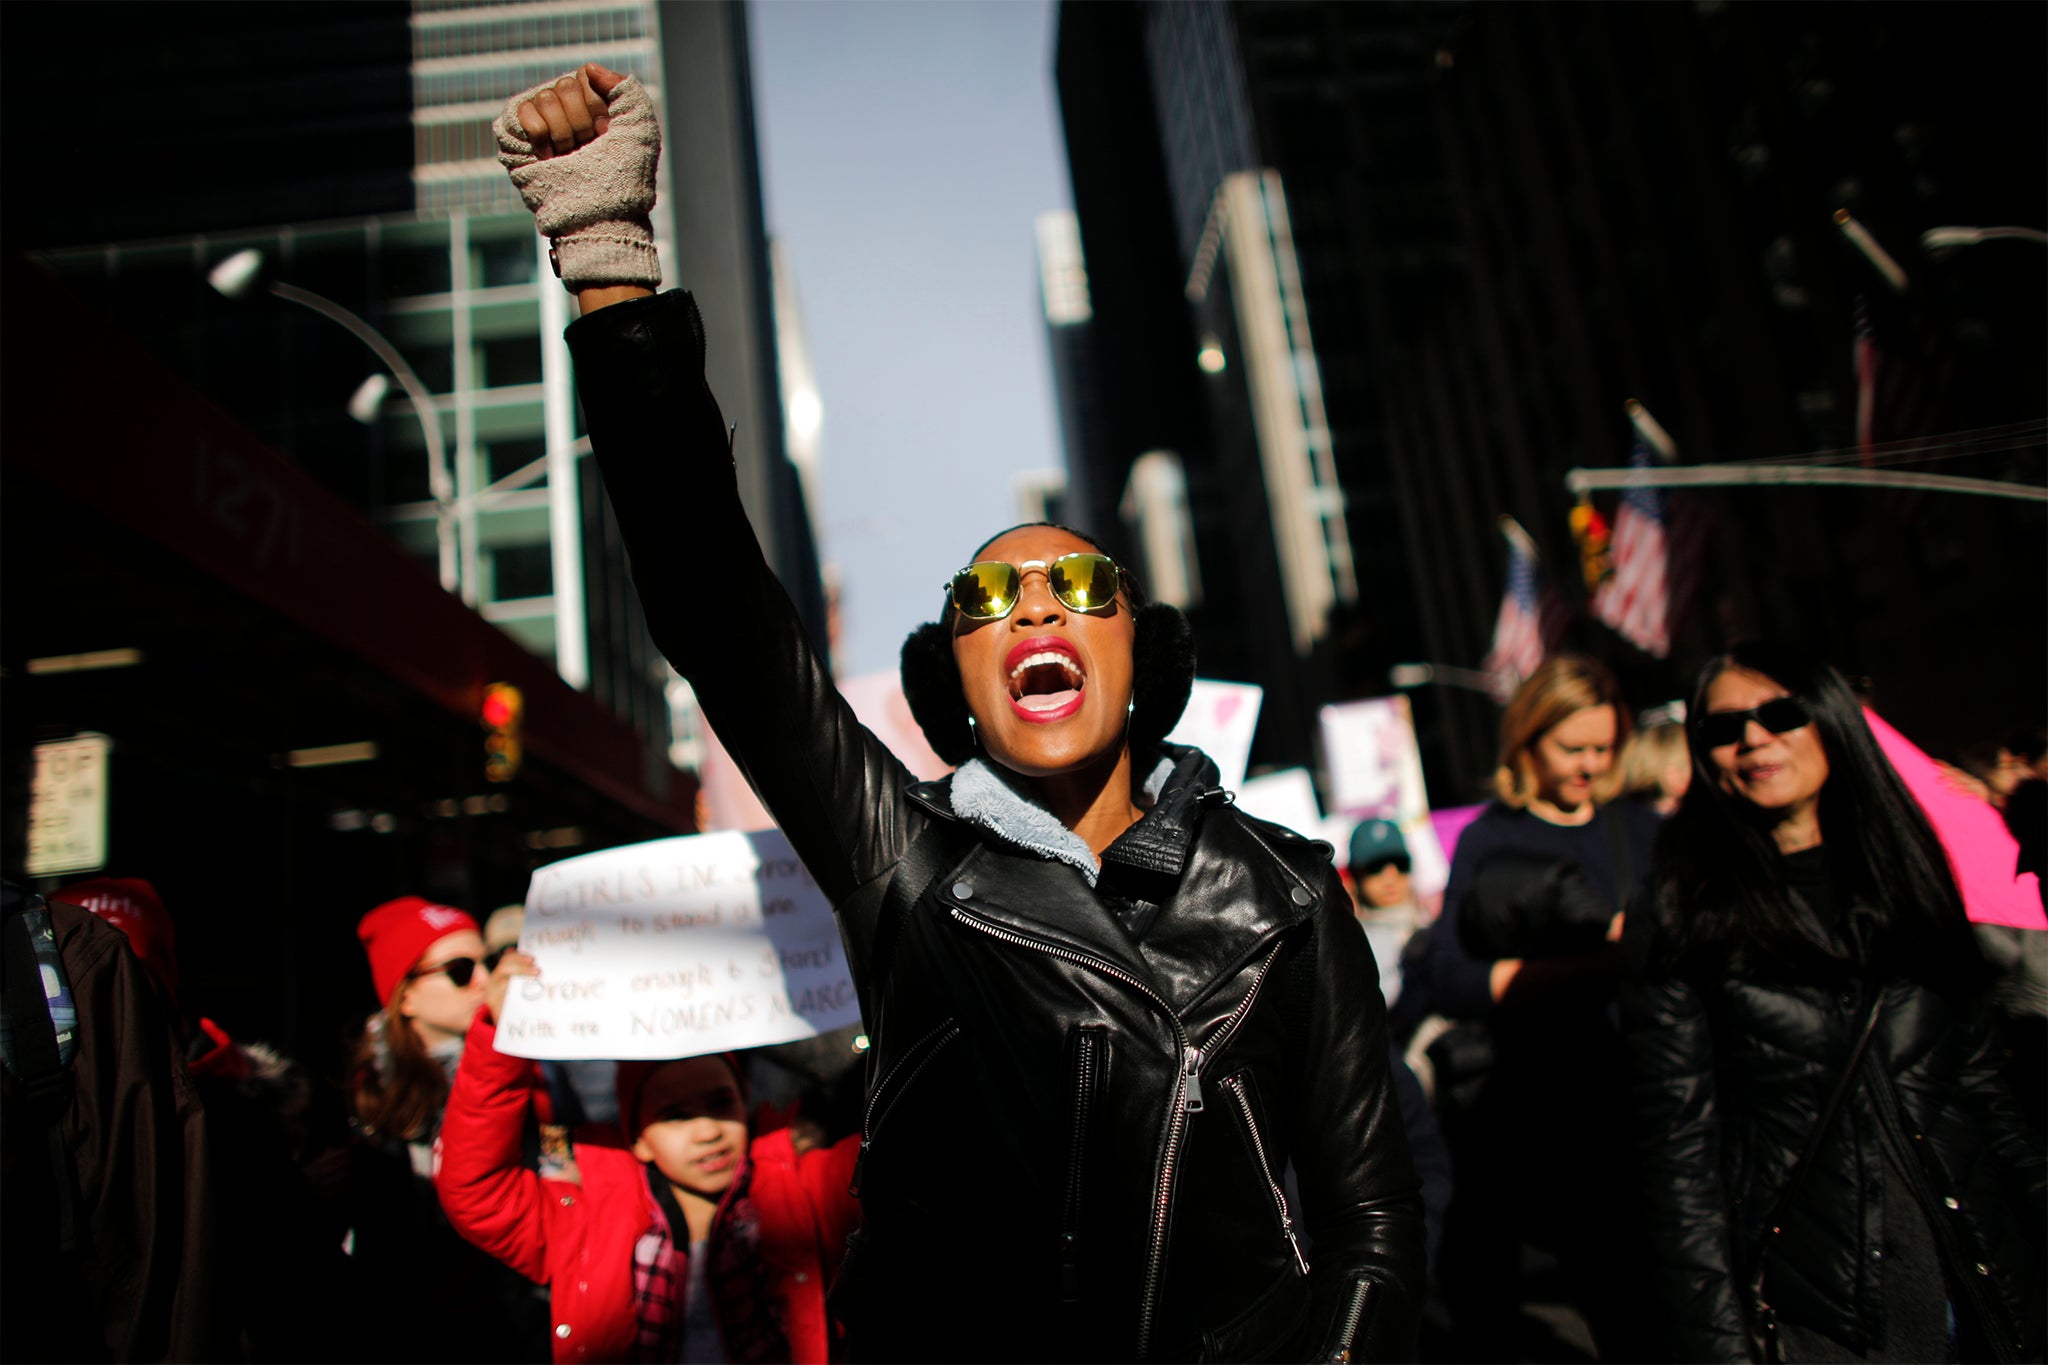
(748, 1312)
(658, 1271)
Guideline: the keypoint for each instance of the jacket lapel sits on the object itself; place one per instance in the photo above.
(1234, 900)
(1234, 897)
(1045, 902)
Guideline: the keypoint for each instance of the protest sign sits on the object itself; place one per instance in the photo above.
(1287, 797)
(676, 948)
(1373, 763)
(1982, 852)
(1219, 720)
(726, 801)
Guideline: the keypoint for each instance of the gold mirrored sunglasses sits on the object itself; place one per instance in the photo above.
(988, 591)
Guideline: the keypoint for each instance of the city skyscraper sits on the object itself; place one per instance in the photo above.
(1383, 273)
(359, 162)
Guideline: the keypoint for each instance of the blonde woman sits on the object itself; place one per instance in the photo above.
(1656, 767)
(1522, 955)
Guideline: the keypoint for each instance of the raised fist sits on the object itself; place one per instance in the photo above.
(582, 151)
(559, 118)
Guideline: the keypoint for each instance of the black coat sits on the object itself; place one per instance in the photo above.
(1075, 1139)
(1729, 1071)
(144, 1282)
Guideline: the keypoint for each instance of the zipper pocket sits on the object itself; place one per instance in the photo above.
(908, 1066)
(1186, 1099)
(1235, 1087)
(1348, 1323)
(1090, 1051)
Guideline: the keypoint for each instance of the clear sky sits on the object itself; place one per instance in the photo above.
(906, 149)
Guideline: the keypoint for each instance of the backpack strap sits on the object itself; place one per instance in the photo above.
(1763, 1317)
(33, 985)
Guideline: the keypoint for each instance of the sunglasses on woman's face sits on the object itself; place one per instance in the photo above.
(1780, 715)
(459, 970)
(988, 591)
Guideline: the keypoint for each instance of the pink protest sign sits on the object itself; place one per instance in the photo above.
(1980, 848)
(1449, 823)
(726, 801)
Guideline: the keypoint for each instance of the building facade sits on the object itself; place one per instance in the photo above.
(1380, 274)
(365, 175)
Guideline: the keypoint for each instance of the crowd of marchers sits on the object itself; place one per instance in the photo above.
(1698, 1053)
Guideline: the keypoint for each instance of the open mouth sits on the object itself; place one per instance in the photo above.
(1046, 680)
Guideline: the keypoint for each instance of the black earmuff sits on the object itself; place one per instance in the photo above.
(1162, 672)
(931, 684)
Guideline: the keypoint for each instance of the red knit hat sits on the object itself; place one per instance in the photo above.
(398, 933)
(131, 905)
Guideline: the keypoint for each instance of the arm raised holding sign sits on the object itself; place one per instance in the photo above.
(1078, 902)
(685, 1173)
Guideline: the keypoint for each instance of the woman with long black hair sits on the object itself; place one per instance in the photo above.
(1835, 1170)
(1108, 1010)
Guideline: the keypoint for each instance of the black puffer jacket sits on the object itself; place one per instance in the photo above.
(1729, 1072)
(1076, 1140)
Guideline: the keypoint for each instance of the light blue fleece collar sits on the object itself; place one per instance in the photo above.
(981, 796)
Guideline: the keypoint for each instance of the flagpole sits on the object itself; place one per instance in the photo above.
(1652, 431)
(1859, 236)
(1518, 537)
(1801, 476)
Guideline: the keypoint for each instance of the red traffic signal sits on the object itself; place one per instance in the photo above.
(501, 705)
(500, 713)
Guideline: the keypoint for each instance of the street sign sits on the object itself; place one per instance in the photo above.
(67, 813)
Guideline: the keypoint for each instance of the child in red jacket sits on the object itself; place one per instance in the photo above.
(691, 1243)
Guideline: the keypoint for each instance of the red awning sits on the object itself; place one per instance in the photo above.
(94, 415)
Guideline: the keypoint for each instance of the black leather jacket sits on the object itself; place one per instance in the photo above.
(1075, 1141)
(1729, 1071)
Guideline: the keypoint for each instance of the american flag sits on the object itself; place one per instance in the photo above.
(1531, 618)
(1658, 548)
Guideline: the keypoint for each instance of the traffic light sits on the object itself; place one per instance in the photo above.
(501, 713)
(1595, 543)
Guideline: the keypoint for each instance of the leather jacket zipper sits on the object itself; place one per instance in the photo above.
(1187, 1094)
(1184, 1100)
(1347, 1326)
(921, 1052)
(1088, 1047)
(1235, 1088)
(1244, 1007)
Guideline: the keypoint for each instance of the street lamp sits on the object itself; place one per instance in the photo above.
(1407, 676)
(1948, 238)
(368, 399)
(235, 276)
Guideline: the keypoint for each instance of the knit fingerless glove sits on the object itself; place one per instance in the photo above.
(593, 203)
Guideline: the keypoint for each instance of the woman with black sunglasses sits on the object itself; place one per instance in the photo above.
(1834, 1168)
(433, 1295)
(1107, 1010)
